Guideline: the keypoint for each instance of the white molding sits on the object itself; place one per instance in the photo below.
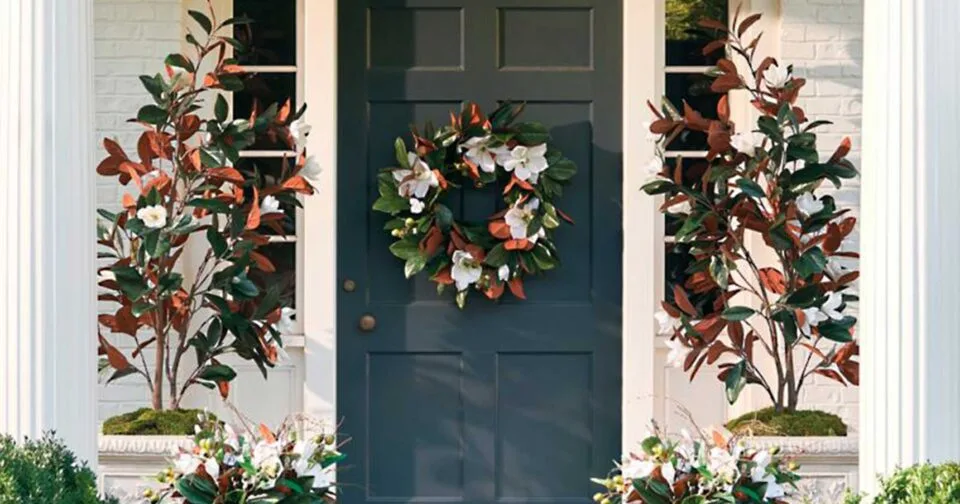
(47, 290)
(319, 216)
(910, 380)
(643, 29)
(142, 445)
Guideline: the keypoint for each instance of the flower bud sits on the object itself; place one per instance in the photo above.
(597, 497)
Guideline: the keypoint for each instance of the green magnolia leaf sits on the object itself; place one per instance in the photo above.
(152, 114)
(400, 150)
(719, 271)
(221, 109)
(751, 188)
(153, 85)
(414, 265)
(391, 204)
(196, 490)
(213, 205)
(804, 297)
(768, 126)
(838, 331)
(169, 283)
(735, 313)
(564, 169)
(217, 242)
(214, 333)
(444, 217)
(405, 249)
(130, 281)
(812, 261)
(532, 133)
(650, 443)
(217, 373)
(179, 61)
(497, 256)
(202, 20)
(788, 324)
(736, 380)
(243, 288)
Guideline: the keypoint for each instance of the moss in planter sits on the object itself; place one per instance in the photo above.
(149, 422)
(767, 422)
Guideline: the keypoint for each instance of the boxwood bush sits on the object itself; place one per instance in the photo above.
(44, 471)
(919, 484)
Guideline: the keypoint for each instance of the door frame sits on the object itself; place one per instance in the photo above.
(643, 26)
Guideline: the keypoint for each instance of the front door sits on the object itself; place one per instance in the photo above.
(517, 401)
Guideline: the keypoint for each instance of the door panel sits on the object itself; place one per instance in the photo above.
(517, 401)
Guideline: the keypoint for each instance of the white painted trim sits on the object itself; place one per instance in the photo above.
(319, 233)
(47, 288)
(910, 279)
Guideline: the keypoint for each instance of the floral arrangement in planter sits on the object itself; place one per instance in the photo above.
(226, 467)
(474, 152)
(709, 468)
(185, 189)
(767, 180)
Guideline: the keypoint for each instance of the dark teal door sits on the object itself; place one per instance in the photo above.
(516, 402)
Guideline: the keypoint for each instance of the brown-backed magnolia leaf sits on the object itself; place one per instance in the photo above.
(829, 373)
(516, 288)
(747, 23)
(680, 297)
(842, 150)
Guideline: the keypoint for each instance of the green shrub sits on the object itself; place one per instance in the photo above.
(919, 484)
(150, 422)
(767, 422)
(44, 471)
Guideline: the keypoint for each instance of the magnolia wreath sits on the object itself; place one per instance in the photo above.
(476, 151)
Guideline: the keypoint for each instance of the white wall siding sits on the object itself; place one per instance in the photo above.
(823, 39)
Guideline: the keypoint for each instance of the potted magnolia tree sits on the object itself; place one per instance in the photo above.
(767, 295)
(182, 190)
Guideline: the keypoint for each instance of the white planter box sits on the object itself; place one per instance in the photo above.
(827, 464)
(128, 464)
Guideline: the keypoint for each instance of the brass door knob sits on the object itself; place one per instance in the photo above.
(368, 323)
(349, 285)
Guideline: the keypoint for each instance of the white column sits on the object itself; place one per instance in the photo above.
(47, 257)
(910, 379)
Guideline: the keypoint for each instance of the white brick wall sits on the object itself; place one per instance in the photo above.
(823, 39)
(131, 38)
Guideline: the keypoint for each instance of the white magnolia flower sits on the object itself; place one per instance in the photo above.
(479, 153)
(811, 318)
(153, 217)
(633, 468)
(503, 273)
(287, 324)
(831, 306)
(466, 269)
(311, 170)
(519, 216)
(186, 463)
(266, 457)
(269, 205)
(668, 472)
(759, 475)
(747, 143)
(525, 162)
(299, 130)
(653, 170)
(416, 181)
(416, 206)
(808, 204)
(678, 353)
(835, 268)
(212, 467)
(776, 77)
(666, 325)
(723, 464)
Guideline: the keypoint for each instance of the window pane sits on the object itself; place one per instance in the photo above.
(267, 89)
(267, 172)
(695, 90)
(284, 259)
(678, 262)
(691, 172)
(685, 38)
(271, 39)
